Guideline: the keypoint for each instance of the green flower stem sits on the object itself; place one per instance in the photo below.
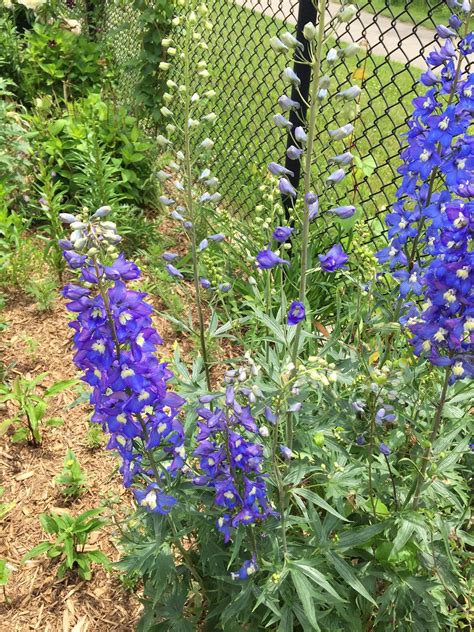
(425, 459)
(314, 110)
(190, 202)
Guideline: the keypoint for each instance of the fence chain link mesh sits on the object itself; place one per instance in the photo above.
(246, 76)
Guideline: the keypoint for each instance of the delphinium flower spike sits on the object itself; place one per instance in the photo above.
(431, 227)
(116, 347)
(193, 185)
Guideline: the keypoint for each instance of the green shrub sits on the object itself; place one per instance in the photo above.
(57, 62)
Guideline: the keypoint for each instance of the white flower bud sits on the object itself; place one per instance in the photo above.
(347, 13)
(166, 43)
(192, 17)
(309, 31)
(277, 45)
(196, 36)
(176, 21)
(171, 84)
(167, 97)
(170, 128)
(165, 111)
(203, 10)
(207, 143)
(350, 50)
(205, 74)
(163, 65)
(210, 118)
(192, 123)
(162, 141)
(180, 155)
(331, 56)
(171, 52)
(210, 94)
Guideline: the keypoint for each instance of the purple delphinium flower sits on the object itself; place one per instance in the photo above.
(266, 259)
(384, 449)
(282, 233)
(230, 463)
(285, 452)
(174, 272)
(296, 313)
(334, 259)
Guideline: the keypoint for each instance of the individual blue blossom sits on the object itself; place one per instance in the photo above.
(285, 452)
(342, 159)
(278, 170)
(205, 284)
(288, 104)
(286, 188)
(266, 259)
(300, 135)
(291, 77)
(336, 176)
(384, 449)
(154, 500)
(341, 132)
(296, 313)
(282, 233)
(282, 122)
(174, 272)
(170, 256)
(344, 212)
(294, 153)
(334, 259)
(248, 568)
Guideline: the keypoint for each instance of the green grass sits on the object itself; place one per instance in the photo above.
(246, 77)
(417, 11)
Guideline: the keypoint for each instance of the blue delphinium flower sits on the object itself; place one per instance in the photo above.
(296, 313)
(266, 259)
(334, 259)
(282, 233)
(231, 463)
(116, 346)
(431, 228)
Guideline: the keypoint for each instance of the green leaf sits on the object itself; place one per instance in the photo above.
(5, 425)
(48, 523)
(59, 387)
(99, 558)
(359, 536)
(304, 590)
(39, 549)
(347, 573)
(4, 573)
(317, 577)
(317, 500)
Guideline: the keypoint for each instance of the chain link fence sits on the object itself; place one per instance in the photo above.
(246, 73)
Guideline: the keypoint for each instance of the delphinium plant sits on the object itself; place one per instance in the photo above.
(431, 226)
(285, 498)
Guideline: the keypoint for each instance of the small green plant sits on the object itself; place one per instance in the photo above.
(31, 407)
(5, 571)
(71, 479)
(95, 435)
(44, 293)
(70, 542)
(5, 508)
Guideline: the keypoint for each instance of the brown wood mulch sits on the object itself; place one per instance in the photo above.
(32, 343)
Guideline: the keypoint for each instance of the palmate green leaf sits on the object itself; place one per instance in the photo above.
(317, 500)
(305, 593)
(317, 577)
(347, 573)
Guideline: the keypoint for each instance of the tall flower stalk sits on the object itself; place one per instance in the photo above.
(194, 191)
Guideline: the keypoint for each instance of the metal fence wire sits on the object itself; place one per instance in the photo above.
(246, 75)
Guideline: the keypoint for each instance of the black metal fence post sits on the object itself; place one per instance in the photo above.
(306, 13)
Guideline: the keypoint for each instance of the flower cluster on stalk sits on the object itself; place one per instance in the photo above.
(231, 463)
(116, 347)
(431, 226)
(302, 135)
